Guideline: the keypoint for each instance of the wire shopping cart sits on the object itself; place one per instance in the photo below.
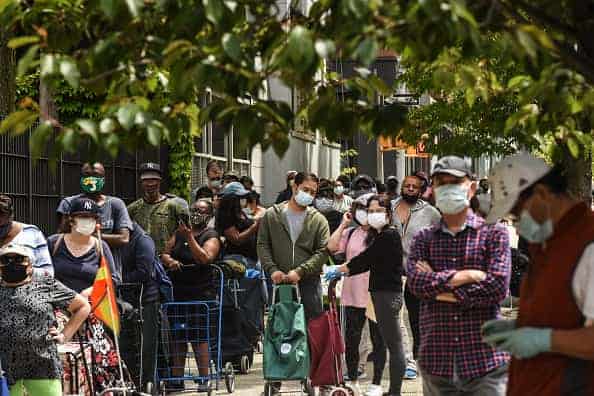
(194, 326)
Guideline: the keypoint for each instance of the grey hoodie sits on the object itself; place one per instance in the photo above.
(422, 215)
(276, 250)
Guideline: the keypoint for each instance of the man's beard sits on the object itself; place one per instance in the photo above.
(411, 199)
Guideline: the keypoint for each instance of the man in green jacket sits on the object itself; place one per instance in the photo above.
(292, 243)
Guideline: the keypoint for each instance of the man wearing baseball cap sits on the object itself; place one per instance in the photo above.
(552, 340)
(158, 214)
(460, 270)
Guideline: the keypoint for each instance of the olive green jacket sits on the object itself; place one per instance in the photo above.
(276, 250)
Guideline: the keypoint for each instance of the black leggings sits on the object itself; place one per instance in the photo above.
(413, 305)
(379, 352)
(354, 323)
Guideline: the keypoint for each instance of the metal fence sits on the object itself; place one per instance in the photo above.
(36, 189)
(240, 167)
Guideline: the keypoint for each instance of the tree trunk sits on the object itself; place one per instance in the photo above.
(46, 103)
(7, 77)
(579, 174)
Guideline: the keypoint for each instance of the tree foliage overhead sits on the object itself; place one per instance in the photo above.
(514, 72)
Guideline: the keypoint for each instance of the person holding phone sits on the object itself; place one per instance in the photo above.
(187, 256)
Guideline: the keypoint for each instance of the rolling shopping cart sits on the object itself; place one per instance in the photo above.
(194, 326)
(286, 352)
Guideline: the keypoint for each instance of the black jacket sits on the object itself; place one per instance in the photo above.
(138, 264)
(383, 260)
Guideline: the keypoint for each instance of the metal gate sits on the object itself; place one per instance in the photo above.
(36, 189)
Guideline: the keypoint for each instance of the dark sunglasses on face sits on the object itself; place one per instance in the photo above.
(6, 260)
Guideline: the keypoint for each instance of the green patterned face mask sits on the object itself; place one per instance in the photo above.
(92, 184)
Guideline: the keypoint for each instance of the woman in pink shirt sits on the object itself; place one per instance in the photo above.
(350, 242)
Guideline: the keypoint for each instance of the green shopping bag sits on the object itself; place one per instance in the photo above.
(286, 353)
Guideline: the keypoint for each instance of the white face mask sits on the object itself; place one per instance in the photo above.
(338, 190)
(377, 220)
(303, 199)
(361, 217)
(452, 198)
(85, 225)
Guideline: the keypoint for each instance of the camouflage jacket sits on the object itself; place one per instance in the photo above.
(160, 219)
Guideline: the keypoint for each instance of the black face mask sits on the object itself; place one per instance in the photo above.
(13, 270)
(410, 199)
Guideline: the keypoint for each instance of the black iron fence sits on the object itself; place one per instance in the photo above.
(36, 189)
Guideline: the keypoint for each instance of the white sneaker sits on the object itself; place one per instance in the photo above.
(374, 390)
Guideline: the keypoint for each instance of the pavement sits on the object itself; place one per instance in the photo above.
(252, 384)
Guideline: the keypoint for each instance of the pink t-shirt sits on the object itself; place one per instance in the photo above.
(355, 289)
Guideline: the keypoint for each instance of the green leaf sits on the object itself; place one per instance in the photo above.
(470, 96)
(107, 126)
(89, 128)
(325, 48)
(69, 70)
(574, 147)
(527, 42)
(134, 6)
(214, 10)
(109, 8)
(26, 60)
(17, 122)
(231, 45)
(21, 41)
(39, 139)
(153, 133)
(358, 7)
(126, 115)
(300, 47)
(519, 82)
(366, 52)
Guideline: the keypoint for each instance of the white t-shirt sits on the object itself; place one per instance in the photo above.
(583, 284)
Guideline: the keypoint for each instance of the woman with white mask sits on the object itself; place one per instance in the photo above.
(76, 256)
(383, 259)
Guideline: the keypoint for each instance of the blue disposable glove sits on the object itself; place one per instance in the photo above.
(333, 272)
(497, 326)
(252, 273)
(523, 343)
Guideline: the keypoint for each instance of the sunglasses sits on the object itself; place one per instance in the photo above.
(7, 260)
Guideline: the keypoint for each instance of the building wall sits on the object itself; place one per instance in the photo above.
(309, 154)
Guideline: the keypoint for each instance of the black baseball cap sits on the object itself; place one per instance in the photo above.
(84, 206)
(150, 170)
(453, 165)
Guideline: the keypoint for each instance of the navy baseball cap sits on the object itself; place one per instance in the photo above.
(150, 170)
(83, 206)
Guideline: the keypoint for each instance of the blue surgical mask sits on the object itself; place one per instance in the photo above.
(338, 190)
(324, 204)
(533, 231)
(452, 198)
(303, 199)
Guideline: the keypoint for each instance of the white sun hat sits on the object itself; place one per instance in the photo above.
(509, 178)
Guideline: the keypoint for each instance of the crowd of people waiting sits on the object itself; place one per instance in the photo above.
(434, 244)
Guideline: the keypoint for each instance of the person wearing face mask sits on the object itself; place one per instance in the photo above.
(114, 218)
(460, 270)
(287, 193)
(345, 243)
(253, 210)
(28, 336)
(214, 175)
(187, 257)
(342, 202)
(239, 231)
(76, 256)
(383, 259)
(292, 243)
(552, 339)
(158, 214)
(14, 232)
(324, 203)
(410, 215)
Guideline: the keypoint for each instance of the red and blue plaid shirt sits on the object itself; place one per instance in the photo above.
(451, 343)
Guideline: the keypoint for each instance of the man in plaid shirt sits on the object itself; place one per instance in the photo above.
(460, 269)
